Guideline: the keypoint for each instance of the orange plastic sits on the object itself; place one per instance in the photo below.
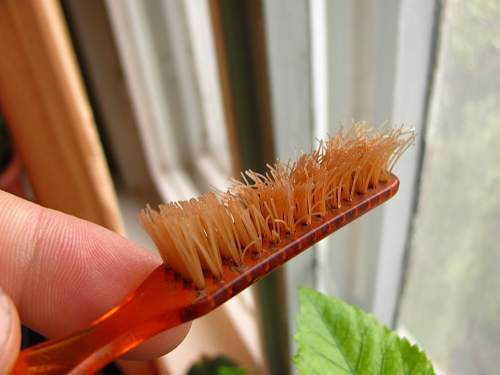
(164, 300)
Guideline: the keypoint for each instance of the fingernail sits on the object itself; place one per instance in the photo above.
(10, 335)
(5, 318)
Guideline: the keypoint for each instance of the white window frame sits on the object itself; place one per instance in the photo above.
(331, 61)
(417, 36)
(358, 84)
(177, 41)
(391, 87)
(167, 65)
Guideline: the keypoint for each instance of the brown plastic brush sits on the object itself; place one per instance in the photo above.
(219, 244)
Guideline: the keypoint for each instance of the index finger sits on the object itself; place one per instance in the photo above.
(63, 272)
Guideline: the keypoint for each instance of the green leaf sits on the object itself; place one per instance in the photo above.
(230, 371)
(336, 338)
(219, 365)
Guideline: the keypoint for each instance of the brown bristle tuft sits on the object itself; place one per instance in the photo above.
(195, 236)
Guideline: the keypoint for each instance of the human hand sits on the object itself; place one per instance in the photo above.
(62, 272)
(10, 333)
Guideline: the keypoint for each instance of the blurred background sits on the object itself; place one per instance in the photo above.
(109, 105)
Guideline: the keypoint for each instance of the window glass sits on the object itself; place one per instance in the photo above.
(451, 298)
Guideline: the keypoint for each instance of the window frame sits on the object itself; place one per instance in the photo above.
(164, 71)
(418, 23)
(186, 30)
(353, 89)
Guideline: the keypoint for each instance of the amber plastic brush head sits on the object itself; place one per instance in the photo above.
(256, 214)
(218, 244)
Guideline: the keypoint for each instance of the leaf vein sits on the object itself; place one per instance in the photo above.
(382, 367)
(358, 360)
(337, 344)
(332, 362)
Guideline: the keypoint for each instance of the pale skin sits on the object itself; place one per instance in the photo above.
(58, 273)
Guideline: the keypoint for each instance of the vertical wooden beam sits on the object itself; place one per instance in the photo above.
(43, 101)
(259, 59)
(241, 56)
(228, 101)
(240, 39)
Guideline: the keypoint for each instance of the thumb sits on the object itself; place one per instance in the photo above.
(10, 333)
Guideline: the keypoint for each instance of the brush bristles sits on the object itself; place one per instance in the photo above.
(195, 236)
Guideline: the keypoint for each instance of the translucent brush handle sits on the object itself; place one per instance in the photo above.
(147, 311)
(164, 300)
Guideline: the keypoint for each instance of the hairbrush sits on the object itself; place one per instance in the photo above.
(218, 244)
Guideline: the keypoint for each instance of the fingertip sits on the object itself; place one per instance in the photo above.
(57, 266)
(160, 344)
(10, 334)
